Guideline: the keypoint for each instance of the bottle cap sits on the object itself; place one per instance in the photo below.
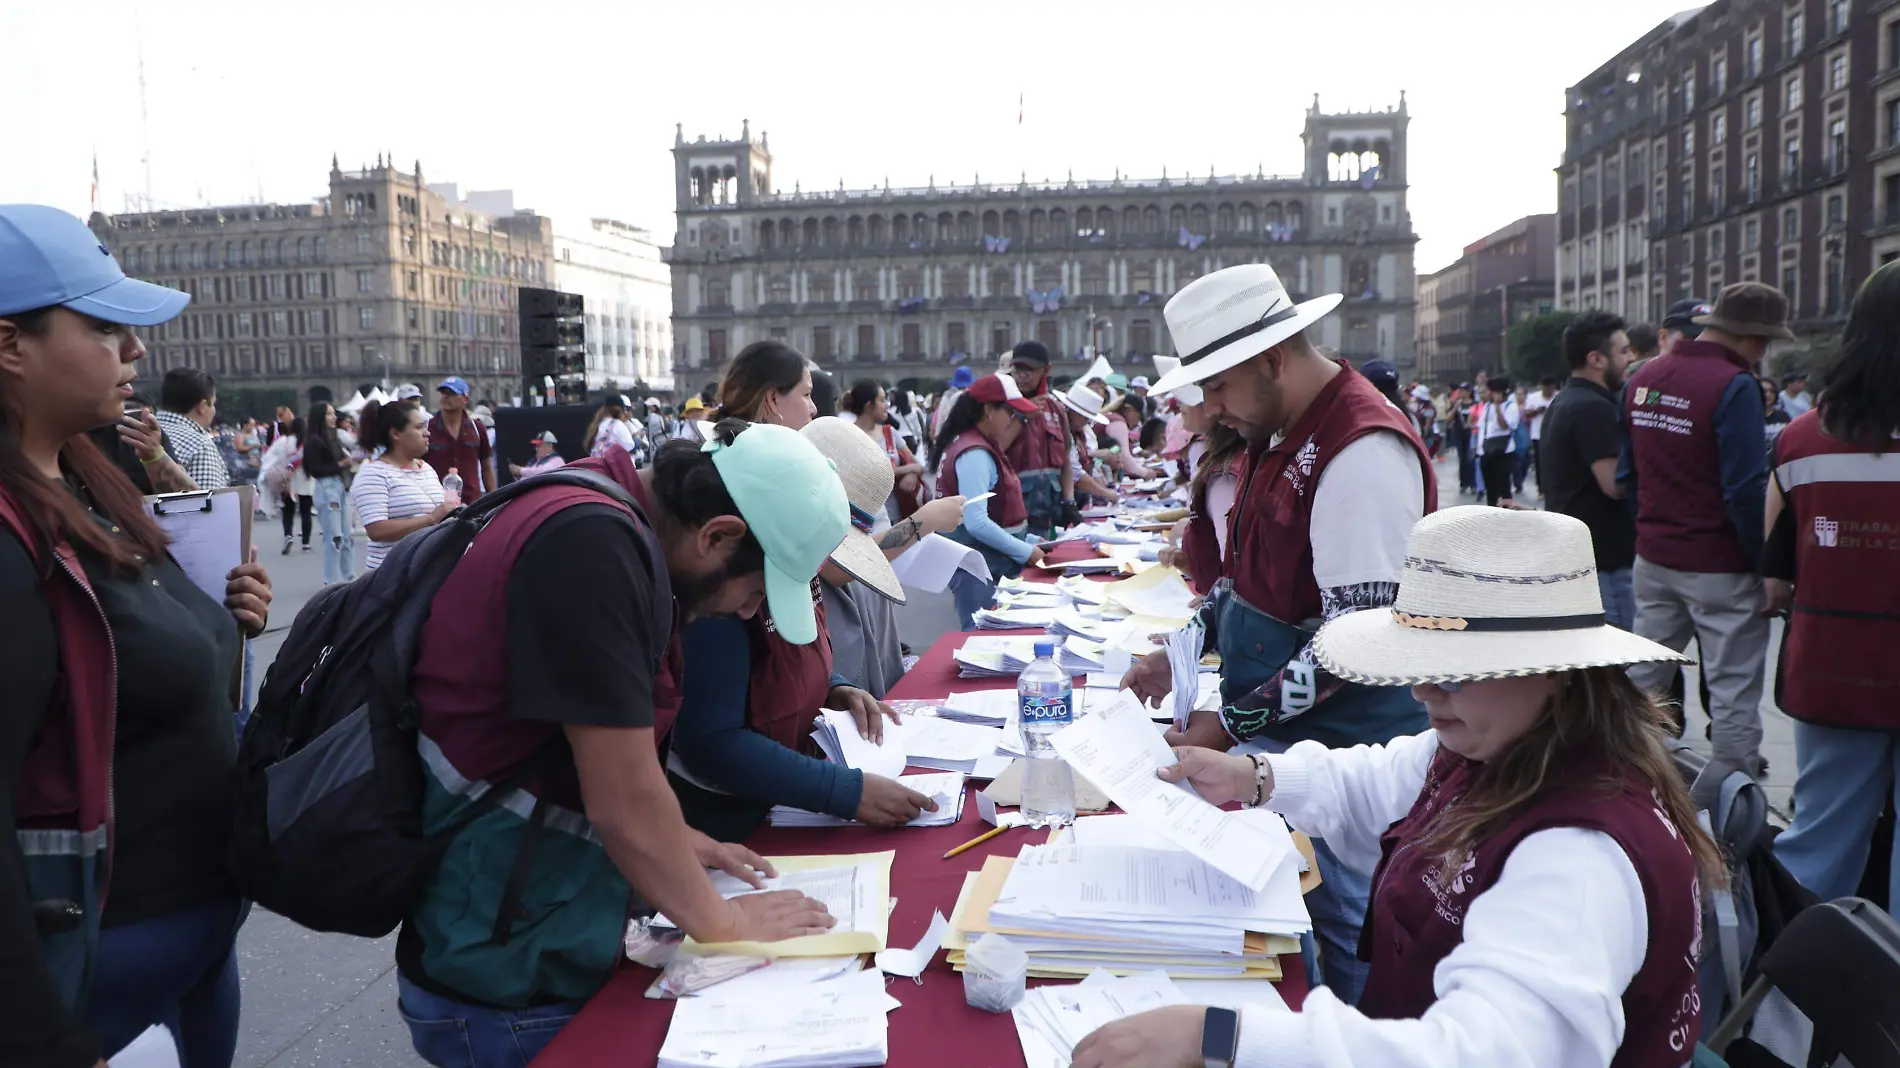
(1045, 649)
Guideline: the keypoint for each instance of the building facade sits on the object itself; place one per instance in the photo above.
(383, 279)
(1501, 279)
(907, 283)
(616, 269)
(1748, 140)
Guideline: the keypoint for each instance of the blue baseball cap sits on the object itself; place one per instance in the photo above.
(49, 257)
(453, 384)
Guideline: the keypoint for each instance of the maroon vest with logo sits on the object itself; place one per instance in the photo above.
(1006, 508)
(1839, 668)
(1669, 408)
(1416, 917)
(789, 682)
(1044, 443)
(1274, 507)
(1201, 543)
(461, 673)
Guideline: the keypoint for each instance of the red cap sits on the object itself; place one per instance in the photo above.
(1000, 389)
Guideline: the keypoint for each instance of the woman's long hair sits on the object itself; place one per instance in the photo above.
(760, 368)
(1223, 444)
(1596, 712)
(611, 409)
(1860, 392)
(318, 426)
(962, 416)
(48, 508)
(380, 420)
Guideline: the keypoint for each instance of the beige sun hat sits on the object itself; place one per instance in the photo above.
(1085, 402)
(865, 470)
(1487, 593)
(1224, 319)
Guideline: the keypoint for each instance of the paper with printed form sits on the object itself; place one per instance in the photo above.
(838, 1023)
(209, 533)
(855, 889)
(1117, 749)
(930, 564)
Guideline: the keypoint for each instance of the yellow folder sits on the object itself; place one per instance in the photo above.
(868, 934)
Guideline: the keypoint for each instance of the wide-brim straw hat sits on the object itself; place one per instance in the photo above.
(1085, 402)
(1189, 395)
(865, 470)
(1487, 593)
(1226, 318)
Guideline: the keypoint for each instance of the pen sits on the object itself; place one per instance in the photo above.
(977, 841)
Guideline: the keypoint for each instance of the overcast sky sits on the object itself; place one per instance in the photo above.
(571, 103)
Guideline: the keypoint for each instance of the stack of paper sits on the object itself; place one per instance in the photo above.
(1079, 623)
(1159, 591)
(1079, 656)
(922, 741)
(838, 1023)
(854, 888)
(1082, 590)
(1031, 595)
(991, 708)
(1013, 617)
(943, 787)
(995, 656)
(1184, 664)
(1052, 1020)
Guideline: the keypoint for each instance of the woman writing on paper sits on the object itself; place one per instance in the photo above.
(117, 909)
(1537, 864)
(970, 462)
(750, 698)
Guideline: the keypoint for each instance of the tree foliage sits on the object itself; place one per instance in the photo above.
(1535, 347)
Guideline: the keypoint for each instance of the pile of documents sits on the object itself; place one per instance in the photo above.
(937, 742)
(837, 1023)
(995, 656)
(943, 787)
(1014, 617)
(854, 888)
(990, 708)
(1052, 1020)
(1160, 592)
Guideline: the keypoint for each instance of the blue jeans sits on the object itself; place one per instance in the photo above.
(1338, 907)
(1843, 777)
(1619, 597)
(333, 518)
(178, 970)
(970, 594)
(451, 1034)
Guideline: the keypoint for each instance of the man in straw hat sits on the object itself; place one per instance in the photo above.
(1699, 474)
(1333, 478)
(1537, 861)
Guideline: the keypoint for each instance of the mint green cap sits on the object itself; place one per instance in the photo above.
(790, 497)
(1117, 381)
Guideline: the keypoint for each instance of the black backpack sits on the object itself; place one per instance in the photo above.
(329, 828)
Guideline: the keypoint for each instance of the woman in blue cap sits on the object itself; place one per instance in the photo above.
(122, 676)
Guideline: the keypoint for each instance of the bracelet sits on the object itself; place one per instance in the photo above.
(159, 459)
(1259, 780)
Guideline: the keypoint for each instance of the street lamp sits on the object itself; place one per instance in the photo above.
(383, 356)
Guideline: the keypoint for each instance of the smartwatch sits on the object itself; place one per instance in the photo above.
(1220, 1037)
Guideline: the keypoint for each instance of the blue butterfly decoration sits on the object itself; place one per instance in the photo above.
(1190, 241)
(1046, 302)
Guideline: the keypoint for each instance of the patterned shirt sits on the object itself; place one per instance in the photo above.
(196, 451)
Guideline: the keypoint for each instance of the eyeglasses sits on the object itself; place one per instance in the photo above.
(1449, 687)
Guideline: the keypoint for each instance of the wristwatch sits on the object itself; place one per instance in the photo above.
(1220, 1037)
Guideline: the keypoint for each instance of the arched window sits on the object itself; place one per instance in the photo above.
(247, 254)
(1059, 225)
(1012, 225)
(992, 224)
(303, 250)
(197, 257)
(787, 233)
(832, 237)
(1197, 219)
(1296, 217)
(1038, 225)
(1084, 222)
(875, 230)
(1131, 220)
(920, 228)
(1151, 219)
(1342, 164)
(947, 226)
(1244, 221)
(1359, 279)
(1224, 219)
(283, 251)
(966, 227)
(854, 231)
(1177, 217)
(266, 253)
(900, 229)
(1094, 280)
(1002, 282)
(811, 233)
(317, 247)
(768, 235)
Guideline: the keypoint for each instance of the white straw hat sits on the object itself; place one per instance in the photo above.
(1227, 318)
(1084, 401)
(865, 470)
(1487, 593)
(1189, 395)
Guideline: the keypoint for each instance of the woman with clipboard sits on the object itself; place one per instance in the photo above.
(115, 740)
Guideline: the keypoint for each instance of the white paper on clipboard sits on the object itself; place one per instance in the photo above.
(210, 533)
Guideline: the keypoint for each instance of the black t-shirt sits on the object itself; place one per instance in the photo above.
(590, 615)
(1584, 425)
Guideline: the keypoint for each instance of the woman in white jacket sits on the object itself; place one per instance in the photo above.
(1536, 859)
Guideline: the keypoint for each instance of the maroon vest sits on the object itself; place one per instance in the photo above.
(461, 673)
(1202, 543)
(1044, 443)
(1274, 507)
(1839, 667)
(1414, 920)
(789, 682)
(1006, 508)
(1669, 408)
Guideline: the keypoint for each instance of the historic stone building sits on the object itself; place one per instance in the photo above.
(906, 283)
(1747, 140)
(385, 277)
(1466, 310)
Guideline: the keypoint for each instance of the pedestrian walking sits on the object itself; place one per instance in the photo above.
(1497, 437)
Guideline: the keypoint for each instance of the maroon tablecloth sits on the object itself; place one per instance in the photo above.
(934, 1028)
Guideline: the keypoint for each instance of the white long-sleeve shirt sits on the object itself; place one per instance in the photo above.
(1548, 950)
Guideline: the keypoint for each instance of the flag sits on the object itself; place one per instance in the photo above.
(1019, 109)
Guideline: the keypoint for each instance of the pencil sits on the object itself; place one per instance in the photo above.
(977, 841)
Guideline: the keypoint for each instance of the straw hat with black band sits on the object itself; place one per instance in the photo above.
(865, 470)
(1487, 593)
(1224, 319)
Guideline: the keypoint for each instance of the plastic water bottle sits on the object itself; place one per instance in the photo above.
(1045, 699)
(452, 485)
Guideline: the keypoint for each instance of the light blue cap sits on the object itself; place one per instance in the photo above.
(49, 257)
(791, 498)
(454, 384)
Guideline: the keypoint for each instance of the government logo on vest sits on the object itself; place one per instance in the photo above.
(1827, 532)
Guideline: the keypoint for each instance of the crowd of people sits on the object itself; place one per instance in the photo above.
(1475, 700)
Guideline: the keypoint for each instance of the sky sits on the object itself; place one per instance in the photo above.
(572, 103)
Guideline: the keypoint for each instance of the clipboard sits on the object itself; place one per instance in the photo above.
(209, 532)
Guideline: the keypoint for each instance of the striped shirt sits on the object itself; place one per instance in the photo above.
(385, 491)
(195, 450)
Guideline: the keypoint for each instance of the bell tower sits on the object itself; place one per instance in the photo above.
(719, 172)
(1363, 147)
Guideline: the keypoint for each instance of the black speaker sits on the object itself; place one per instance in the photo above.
(550, 303)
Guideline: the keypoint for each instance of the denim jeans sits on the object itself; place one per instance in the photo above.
(1619, 597)
(451, 1034)
(1843, 778)
(970, 594)
(333, 518)
(178, 969)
